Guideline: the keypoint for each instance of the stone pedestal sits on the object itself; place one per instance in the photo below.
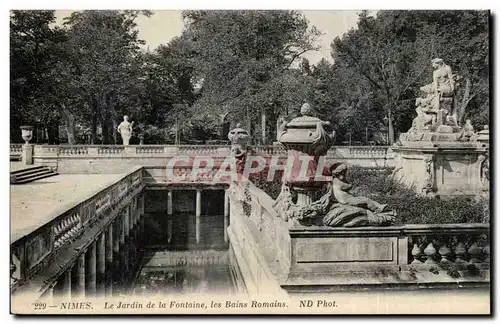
(445, 169)
(27, 155)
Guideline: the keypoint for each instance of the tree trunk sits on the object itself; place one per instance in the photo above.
(105, 131)
(465, 101)
(114, 131)
(390, 128)
(69, 120)
(94, 129)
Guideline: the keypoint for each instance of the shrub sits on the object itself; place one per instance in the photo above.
(410, 207)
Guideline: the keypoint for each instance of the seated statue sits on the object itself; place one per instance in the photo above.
(338, 207)
(350, 210)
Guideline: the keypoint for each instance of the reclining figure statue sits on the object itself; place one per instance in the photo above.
(338, 206)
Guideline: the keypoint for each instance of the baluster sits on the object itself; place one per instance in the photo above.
(486, 251)
(430, 252)
(446, 253)
(475, 253)
(416, 252)
(460, 253)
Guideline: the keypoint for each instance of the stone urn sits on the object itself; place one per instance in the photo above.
(27, 133)
(141, 138)
(306, 139)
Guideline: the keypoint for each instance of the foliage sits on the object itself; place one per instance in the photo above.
(35, 48)
(234, 66)
(392, 52)
(414, 209)
(243, 61)
(411, 208)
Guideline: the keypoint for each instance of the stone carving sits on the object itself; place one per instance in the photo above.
(435, 108)
(303, 137)
(239, 146)
(484, 171)
(125, 130)
(338, 207)
(428, 187)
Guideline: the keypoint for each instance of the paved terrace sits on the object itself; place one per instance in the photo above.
(37, 203)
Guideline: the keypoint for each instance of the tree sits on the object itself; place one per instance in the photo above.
(101, 75)
(35, 47)
(240, 55)
(393, 50)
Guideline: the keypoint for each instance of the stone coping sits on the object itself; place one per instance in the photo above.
(410, 229)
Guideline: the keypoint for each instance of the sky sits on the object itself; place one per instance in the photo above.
(166, 24)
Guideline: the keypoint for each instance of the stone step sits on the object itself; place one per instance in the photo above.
(32, 174)
(28, 170)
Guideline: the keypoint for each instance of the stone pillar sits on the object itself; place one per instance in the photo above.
(48, 295)
(125, 225)
(90, 270)
(66, 284)
(79, 271)
(27, 154)
(126, 221)
(108, 290)
(169, 215)
(117, 231)
(198, 214)
(226, 214)
(101, 265)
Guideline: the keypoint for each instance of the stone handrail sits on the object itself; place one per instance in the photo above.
(32, 252)
(81, 149)
(118, 158)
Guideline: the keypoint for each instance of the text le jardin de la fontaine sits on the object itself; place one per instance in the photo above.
(227, 304)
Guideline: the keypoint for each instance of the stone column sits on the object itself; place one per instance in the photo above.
(27, 154)
(109, 262)
(117, 231)
(79, 271)
(125, 224)
(66, 284)
(169, 216)
(101, 264)
(226, 214)
(198, 214)
(126, 221)
(90, 270)
(48, 295)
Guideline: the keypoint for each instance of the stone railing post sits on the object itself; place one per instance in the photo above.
(27, 154)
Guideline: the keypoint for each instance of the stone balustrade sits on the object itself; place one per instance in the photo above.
(413, 254)
(53, 241)
(118, 158)
(16, 151)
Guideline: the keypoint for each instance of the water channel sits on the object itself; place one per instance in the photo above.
(185, 254)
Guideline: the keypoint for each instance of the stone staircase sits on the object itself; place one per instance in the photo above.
(31, 174)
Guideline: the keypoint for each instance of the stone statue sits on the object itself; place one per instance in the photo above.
(348, 210)
(125, 130)
(434, 107)
(338, 206)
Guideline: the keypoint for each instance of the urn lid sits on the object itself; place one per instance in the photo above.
(305, 129)
(304, 121)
